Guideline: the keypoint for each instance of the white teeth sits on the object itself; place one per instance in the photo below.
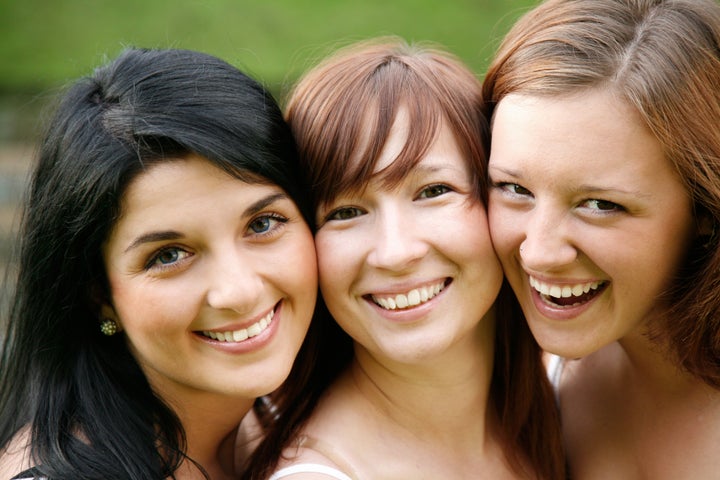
(564, 291)
(244, 333)
(410, 299)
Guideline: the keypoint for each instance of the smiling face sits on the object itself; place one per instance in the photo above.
(589, 219)
(212, 279)
(410, 271)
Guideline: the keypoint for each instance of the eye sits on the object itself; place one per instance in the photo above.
(266, 224)
(601, 205)
(167, 257)
(344, 213)
(432, 191)
(513, 188)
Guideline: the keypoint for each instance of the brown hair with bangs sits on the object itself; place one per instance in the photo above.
(341, 114)
(342, 111)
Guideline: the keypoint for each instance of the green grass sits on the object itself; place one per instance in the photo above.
(46, 43)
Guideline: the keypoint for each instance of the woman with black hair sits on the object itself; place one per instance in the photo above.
(166, 274)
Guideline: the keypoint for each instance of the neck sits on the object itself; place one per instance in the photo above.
(211, 425)
(434, 397)
(651, 366)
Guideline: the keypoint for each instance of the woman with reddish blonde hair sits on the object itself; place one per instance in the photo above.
(433, 372)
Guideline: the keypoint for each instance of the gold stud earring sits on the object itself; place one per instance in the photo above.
(108, 327)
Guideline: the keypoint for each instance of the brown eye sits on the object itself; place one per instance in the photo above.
(344, 213)
(602, 205)
(434, 191)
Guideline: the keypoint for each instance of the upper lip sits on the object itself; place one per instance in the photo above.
(244, 324)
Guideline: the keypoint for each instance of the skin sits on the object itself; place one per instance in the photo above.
(421, 371)
(581, 195)
(427, 233)
(197, 255)
(582, 186)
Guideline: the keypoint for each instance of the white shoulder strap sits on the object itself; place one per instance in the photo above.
(309, 468)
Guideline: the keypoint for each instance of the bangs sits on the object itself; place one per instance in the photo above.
(342, 115)
(365, 134)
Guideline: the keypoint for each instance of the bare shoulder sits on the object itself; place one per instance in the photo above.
(15, 457)
(326, 446)
(300, 463)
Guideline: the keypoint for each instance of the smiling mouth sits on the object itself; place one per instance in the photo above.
(244, 333)
(413, 298)
(567, 295)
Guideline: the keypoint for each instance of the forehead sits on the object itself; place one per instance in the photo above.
(406, 148)
(581, 126)
(583, 141)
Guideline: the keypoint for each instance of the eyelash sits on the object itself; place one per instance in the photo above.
(506, 186)
(333, 215)
(614, 207)
(154, 261)
(272, 229)
(512, 188)
(445, 189)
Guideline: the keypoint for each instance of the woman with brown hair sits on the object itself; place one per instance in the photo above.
(604, 209)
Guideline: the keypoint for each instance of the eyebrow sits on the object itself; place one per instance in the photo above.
(165, 235)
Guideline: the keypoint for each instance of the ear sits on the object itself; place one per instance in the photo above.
(707, 229)
(706, 225)
(107, 312)
(104, 307)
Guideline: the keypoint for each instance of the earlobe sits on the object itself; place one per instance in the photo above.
(109, 321)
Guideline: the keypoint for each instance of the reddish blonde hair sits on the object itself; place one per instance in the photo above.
(341, 113)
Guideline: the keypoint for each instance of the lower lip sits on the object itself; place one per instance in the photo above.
(251, 344)
(560, 313)
(412, 314)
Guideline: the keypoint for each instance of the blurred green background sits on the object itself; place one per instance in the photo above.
(45, 44)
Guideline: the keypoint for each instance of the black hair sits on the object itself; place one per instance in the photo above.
(92, 413)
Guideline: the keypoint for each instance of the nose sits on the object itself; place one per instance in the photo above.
(235, 283)
(397, 241)
(547, 245)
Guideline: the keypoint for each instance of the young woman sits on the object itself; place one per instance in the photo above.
(167, 274)
(433, 378)
(604, 210)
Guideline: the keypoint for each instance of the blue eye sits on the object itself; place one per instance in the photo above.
(260, 225)
(167, 257)
(266, 224)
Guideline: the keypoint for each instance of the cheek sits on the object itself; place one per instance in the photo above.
(477, 244)
(505, 233)
(303, 262)
(334, 264)
(143, 306)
